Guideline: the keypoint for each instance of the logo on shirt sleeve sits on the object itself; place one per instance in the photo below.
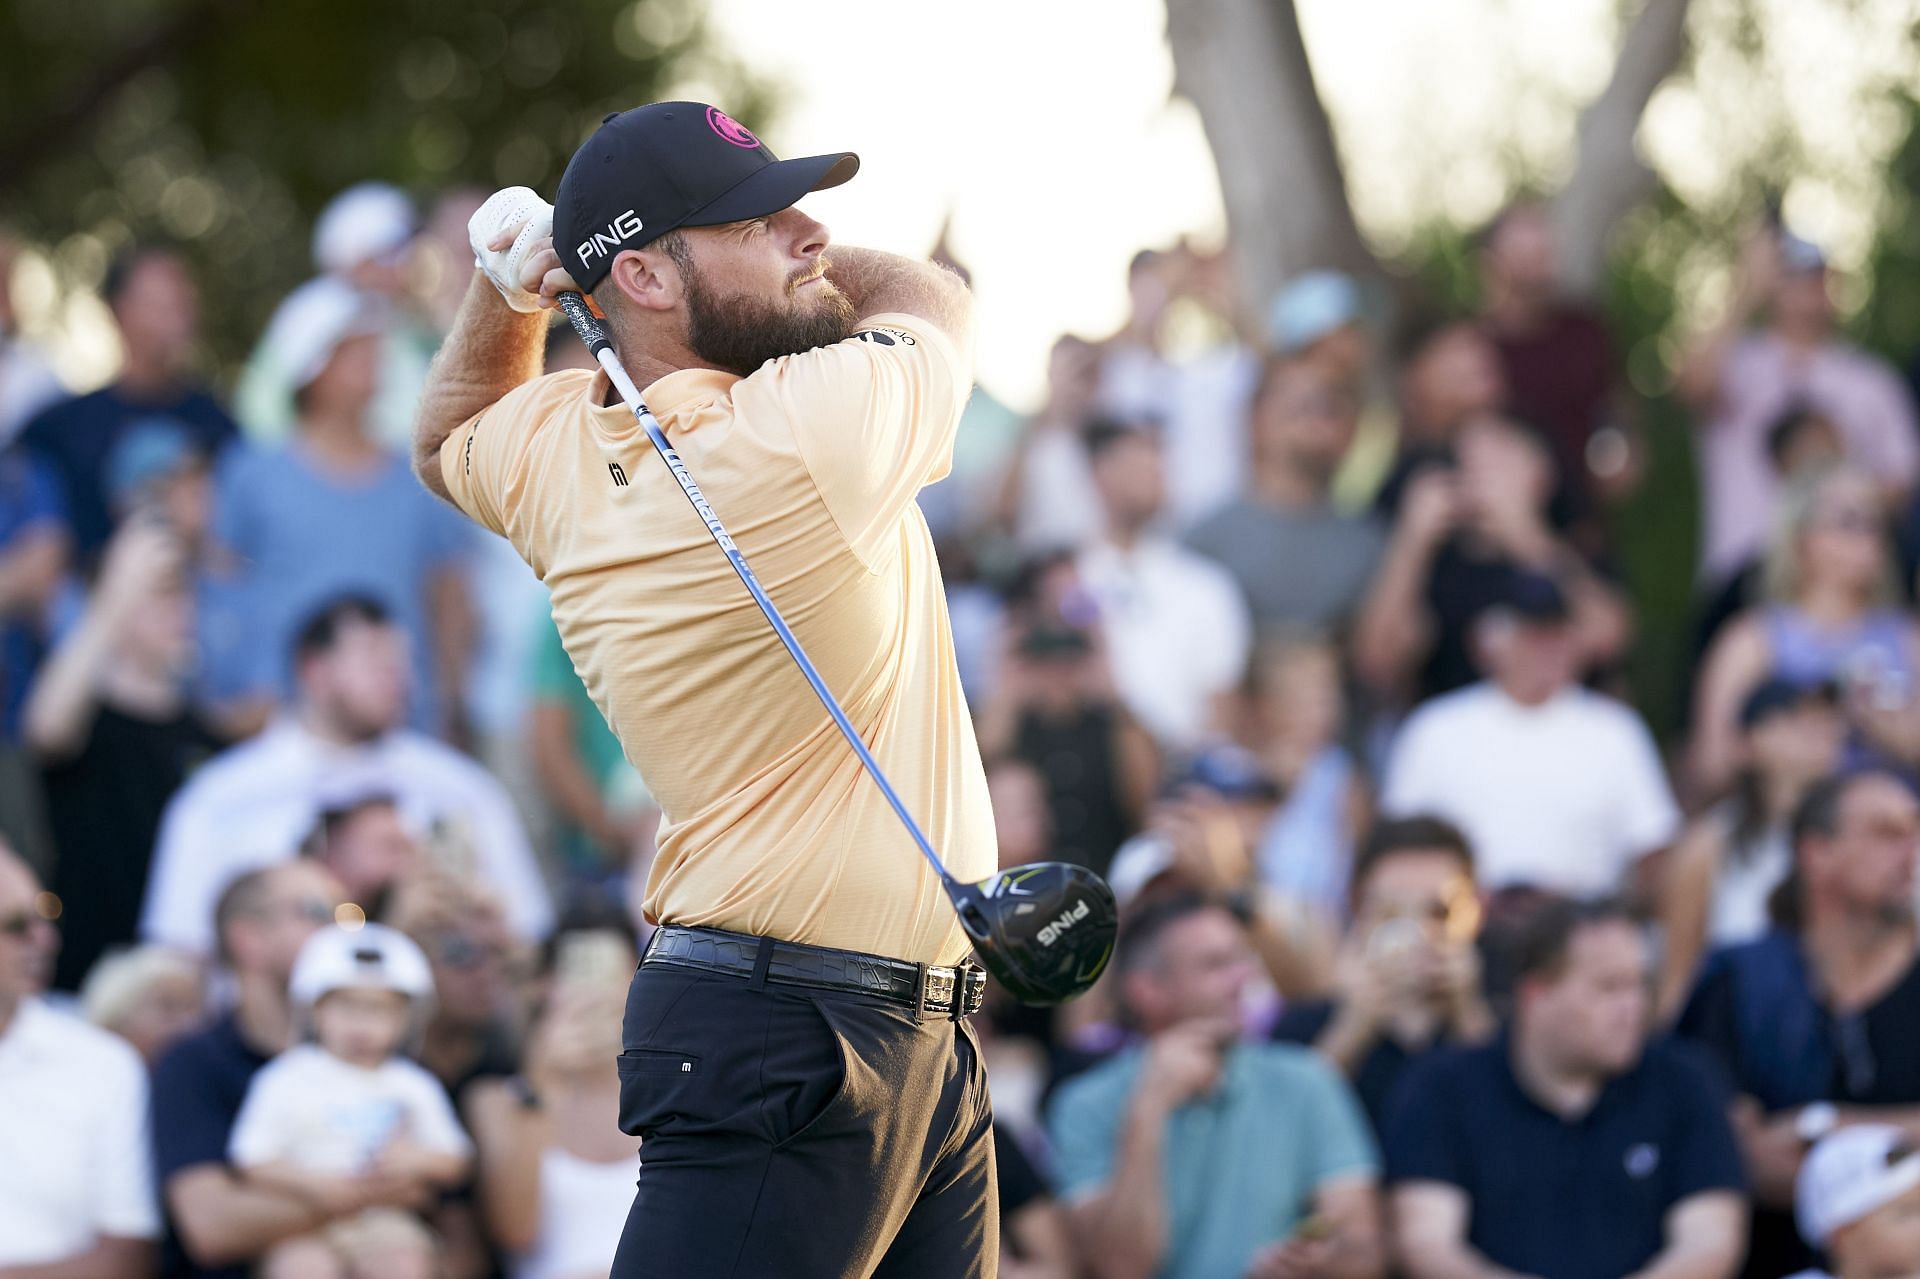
(881, 335)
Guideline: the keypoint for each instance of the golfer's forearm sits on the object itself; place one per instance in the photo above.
(880, 283)
(492, 349)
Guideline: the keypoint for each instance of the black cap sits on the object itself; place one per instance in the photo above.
(1772, 696)
(1535, 597)
(667, 165)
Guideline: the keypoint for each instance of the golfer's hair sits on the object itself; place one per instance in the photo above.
(321, 631)
(1541, 942)
(245, 896)
(1409, 835)
(1142, 932)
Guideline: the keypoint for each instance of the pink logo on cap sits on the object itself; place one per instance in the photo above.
(730, 129)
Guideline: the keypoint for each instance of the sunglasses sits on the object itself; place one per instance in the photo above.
(22, 922)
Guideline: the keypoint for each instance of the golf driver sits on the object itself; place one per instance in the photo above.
(1046, 930)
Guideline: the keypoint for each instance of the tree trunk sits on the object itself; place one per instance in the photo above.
(1609, 177)
(1244, 65)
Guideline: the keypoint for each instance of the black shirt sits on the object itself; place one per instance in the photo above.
(103, 809)
(1019, 1182)
(1563, 1199)
(1076, 759)
(1380, 1070)
(76, 437)
(198, 1087)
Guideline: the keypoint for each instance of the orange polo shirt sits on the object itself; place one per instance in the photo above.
(812, 463)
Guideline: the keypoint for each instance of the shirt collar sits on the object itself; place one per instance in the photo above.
(664, 397)
(25, 1033)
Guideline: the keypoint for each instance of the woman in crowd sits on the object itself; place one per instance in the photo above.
(1731, 857)
(148, 995)
(1832, 613)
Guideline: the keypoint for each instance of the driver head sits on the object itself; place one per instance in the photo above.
(1045, 931)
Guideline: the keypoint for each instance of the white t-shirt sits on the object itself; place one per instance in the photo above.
(1564, 796)
(1178, 632)
(251, 806)
(309, 1108)
(74, 1158)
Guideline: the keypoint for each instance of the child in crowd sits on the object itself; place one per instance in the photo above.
(324, 1114)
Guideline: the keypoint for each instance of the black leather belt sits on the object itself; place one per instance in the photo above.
(925, 988)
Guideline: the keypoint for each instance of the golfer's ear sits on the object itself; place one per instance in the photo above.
(648, 278)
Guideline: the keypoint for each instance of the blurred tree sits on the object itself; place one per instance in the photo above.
(226, 124)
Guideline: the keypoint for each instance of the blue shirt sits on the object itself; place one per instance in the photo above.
(29, 502)
(1242, 1164)
(76, 437)
(197, 1090)
(304, 536)
(1585, 1198)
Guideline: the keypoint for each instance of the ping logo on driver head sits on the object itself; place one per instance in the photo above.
(613, 237)
(1063, 921)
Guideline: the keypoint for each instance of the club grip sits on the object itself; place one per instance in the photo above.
(592, 330)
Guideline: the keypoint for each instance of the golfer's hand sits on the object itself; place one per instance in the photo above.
(512, 239)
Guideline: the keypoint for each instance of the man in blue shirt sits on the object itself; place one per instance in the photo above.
(1197, 1155)
(1569, 1148)
(157, 312)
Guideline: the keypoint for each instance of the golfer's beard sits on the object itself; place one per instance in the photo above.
(740, 333)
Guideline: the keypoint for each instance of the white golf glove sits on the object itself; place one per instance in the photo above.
(504, 210)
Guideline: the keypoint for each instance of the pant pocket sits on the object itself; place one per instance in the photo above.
(805, 1071)
(657, 1089)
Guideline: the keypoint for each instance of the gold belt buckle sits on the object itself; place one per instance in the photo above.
(936, 990)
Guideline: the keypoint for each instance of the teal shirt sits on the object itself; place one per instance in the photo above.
(554, 679)
(1242, 1164)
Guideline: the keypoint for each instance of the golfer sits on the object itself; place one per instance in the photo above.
(811, 1104)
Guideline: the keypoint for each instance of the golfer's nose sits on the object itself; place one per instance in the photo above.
(810, 237)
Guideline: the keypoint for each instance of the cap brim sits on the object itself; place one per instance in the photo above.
(775, 187)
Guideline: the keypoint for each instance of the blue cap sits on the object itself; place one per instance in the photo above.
(152, 449)
(1311, 306)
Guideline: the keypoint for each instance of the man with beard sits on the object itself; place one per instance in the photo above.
(796, 1120)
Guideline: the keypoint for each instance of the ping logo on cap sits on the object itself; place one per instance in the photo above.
(617, 233)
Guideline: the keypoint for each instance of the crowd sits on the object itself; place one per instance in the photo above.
(322, 871)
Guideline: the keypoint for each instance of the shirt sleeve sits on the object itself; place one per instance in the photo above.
(481, 461)
(430, 1117)
(874, 418)
(1649, 819)
(259, 1130)
(1422, 1134)
(1410, 786)
(1342, 1145)
(1704, 1153)
(123, 1200)
(190, 1122)
(1083, 1127)
(1894, 447)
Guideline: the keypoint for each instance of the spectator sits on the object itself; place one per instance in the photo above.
(322, 1112)
(1054, 705)
(1196, 1154)
(1319, 318)
(334, 510)
(109, 720)
(1832, 614)
(1035, 1242)
(251, 806)
(1465, 531)
(1823, 1010)
(1556, 357)
(1047, 500)
(363, 241)
(218, 1223)
(1739, 380)
(1408, 979)
(472, 1032)
(157, 313)
(1176, 628)
(1730, 859)
(361, 840)
(76, 1192)
(1858, 1200)
(150, 996)
(1570, 1147)
(1556, 786)
(1450, 375)
(35, 547)
(555, 1171)
(1294, 712)
(27, 381)
(1200, 399)
(583, 773)
(984, 443)
(1299, 561)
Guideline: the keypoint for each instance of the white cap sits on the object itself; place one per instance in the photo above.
(370, 957)
(1851, 1173)
(364, 222)
(314, 319)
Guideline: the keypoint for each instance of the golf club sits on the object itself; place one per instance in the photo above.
(1044, 930)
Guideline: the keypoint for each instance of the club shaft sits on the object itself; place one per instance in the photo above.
(595, 335)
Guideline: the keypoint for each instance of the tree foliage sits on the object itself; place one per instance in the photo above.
(225, 125)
